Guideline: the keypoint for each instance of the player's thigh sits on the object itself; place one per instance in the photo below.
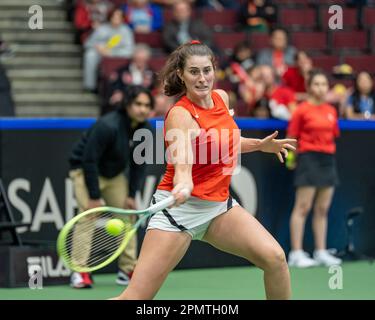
(160, 253)
(239, 233)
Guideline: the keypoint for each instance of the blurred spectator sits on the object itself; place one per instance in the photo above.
(88, 15)
(142, 16)
(242, 58)
(5, 50)
(168, 3)
(6, 102)
(218, 5)
(280, 55)
(252, 89)
(295, 76)
(281, 100)
(257, 15)
(162, 102)
(114, 39)
(136, 72)
(361, 103)
(183, 28)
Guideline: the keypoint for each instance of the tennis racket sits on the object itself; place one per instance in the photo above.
(87, 242)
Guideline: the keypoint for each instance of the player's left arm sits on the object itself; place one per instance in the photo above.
(269, 144)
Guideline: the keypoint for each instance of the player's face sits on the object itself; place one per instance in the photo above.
(319, 87)
(199, 76)
(140, 109)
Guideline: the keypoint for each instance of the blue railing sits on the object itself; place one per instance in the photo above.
(84, 123)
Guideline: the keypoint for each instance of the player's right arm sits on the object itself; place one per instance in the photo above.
(179, 131)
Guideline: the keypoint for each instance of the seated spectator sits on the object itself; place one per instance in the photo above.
(6, 101)
(183, 28)
(136, 72)
(295, 76)
(251, 88)
(257, 15)
(88, 15)
(361, 103)
(218, 5)
(142, 16)
(169, 3)
(279, 55)
(242, 58)
(261, 109)
(162, 102)
(114, 39)
(281, 100)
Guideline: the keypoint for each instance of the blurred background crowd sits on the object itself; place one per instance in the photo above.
(265, 50)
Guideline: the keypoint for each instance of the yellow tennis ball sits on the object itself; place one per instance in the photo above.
(115, 227)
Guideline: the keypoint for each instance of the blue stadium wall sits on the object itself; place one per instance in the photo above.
(34, 169)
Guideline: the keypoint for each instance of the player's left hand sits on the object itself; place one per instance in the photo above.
(278, 146)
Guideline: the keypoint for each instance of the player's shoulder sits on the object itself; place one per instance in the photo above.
(178, 114)
(224, 96)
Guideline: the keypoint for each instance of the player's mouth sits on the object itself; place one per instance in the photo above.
(201, 88)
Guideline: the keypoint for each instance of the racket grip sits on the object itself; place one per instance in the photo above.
(166, 202)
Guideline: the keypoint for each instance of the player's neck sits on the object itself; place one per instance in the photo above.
(205, 102)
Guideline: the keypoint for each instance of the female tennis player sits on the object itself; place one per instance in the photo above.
(315, 124)
(210, 214)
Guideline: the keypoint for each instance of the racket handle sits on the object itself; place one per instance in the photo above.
(166, 202)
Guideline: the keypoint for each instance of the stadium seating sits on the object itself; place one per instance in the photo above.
(369, 16)
(226, 41)
(362, 62)
(297, 18)
(259, 41)
(348, 40)
(316, 41)
(153, 39)
(326, 62)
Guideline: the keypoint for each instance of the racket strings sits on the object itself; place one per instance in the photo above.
(88, 243)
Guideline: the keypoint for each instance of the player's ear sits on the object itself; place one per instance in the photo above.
(179, 74)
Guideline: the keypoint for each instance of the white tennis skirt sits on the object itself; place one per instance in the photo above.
(193, 217)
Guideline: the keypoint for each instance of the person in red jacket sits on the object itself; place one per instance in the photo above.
(88, 15)
(295, 76)
(314, 123)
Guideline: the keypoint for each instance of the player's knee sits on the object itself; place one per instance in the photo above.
(274, 259)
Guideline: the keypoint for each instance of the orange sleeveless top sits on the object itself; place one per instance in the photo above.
(215, 150)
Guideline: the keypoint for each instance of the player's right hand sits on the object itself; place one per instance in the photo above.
(181, 192)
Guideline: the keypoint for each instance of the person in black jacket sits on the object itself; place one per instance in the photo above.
(104, 171)
(6, 101)
(183, 28)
